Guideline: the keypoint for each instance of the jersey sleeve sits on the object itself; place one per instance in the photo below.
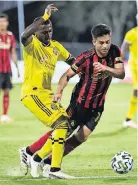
(13, 43)
(118, 58)
(79, 64)
(129, 37)
(30, 47)
(64, 54)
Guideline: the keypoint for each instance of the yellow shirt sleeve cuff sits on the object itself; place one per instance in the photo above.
(45, 16)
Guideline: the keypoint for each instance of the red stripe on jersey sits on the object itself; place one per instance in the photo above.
(91, 91)
(103, 97)
(83, 89)
(7, 42)
(104, 62)
(93, 85)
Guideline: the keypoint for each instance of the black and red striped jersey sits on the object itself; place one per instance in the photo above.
(93, 86)
(7, 42)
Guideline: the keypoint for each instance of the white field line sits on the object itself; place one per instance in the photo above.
(73, 178)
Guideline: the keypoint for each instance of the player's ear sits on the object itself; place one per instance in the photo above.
(94, 41)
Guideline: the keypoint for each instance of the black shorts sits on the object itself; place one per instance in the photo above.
(5, 81)
(79, 115)
(84, 116)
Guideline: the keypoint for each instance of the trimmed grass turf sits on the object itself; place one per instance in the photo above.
(91, 159)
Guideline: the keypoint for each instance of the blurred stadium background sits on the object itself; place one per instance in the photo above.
(72, 25)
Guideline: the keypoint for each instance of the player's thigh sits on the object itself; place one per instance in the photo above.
(47, 112)
(7, 84)
(88, 126)
(93, 120)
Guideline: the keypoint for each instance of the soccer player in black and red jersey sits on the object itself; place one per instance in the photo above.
(97, 66)
(7, 51)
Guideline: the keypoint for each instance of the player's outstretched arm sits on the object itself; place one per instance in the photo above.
(26, 36)
(63, 83)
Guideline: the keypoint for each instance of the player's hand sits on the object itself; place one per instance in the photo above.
(56, 97)
(98, 67)
(50, 8)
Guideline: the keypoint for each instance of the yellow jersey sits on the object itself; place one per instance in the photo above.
(132, 38)
(39, 65)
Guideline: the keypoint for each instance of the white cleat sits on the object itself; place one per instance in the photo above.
(59, 175)
(130, 123)
(25, 160)
(6, 119)
(46, 170)
(35, 166)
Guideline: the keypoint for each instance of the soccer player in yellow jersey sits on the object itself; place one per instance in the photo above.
(131, 43)
(40, 55)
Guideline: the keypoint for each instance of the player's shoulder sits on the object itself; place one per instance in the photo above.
(55, 43)
(88, 53)
(133, 30)
(115, 49)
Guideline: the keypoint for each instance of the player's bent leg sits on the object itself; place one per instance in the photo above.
(76, 140)
(37, 145)
(133, 101)
(57, 142)
(131, 111)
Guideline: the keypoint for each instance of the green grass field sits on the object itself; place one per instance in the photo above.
(92, 159)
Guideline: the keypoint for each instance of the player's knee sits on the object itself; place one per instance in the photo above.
(6, 92)
(81, 138)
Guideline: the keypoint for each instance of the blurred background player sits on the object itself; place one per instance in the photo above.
(7, 52)
(130, 44)
(40, 55)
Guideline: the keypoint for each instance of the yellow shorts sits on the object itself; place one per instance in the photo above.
(50, 113)
(134, 72)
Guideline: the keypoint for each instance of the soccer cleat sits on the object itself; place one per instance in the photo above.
(59, 175)
(46, 170)
(25, 160)
(35, 166)
(5, 119)
(130, 123)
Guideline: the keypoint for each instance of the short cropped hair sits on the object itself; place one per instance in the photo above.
(99, 30)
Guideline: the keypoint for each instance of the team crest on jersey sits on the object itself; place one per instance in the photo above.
(54, 106)
(101, 75)
(55, 51)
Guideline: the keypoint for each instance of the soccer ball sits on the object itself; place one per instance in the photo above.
(122, 162)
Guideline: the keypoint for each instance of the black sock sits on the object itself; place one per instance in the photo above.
(127, 119)
(54, 169)
(28, 151)
(47, 161)
(37, 158)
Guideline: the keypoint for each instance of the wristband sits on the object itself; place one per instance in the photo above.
(45, 16)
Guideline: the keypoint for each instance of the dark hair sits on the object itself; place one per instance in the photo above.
(45, 22)
(4, 15)
(99, 30)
